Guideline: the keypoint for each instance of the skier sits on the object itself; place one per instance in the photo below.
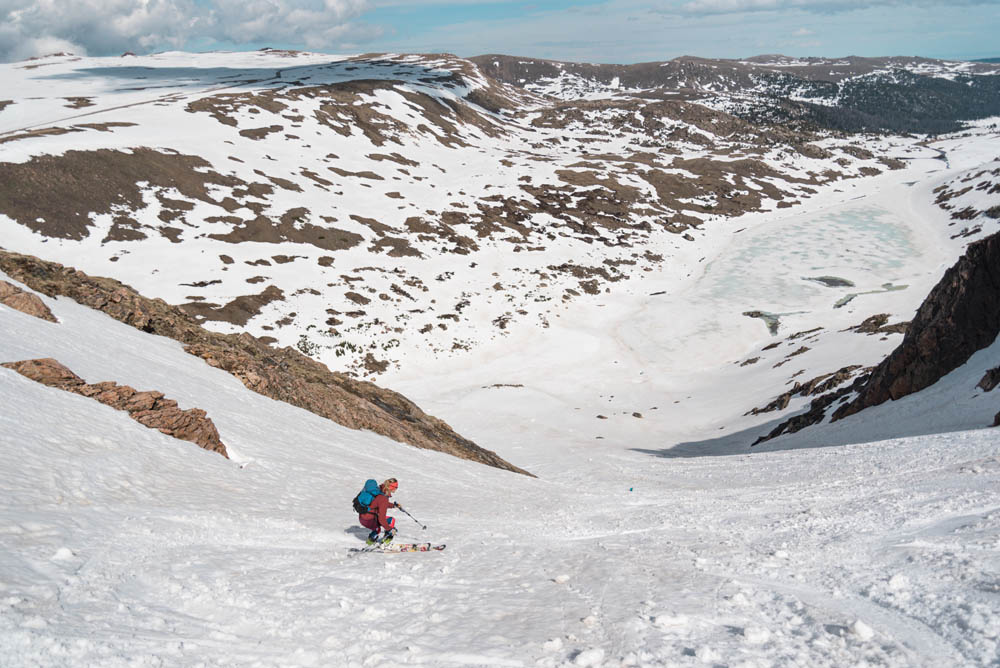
(376, 519)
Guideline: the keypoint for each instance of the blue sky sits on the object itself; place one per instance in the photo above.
(629, 31)
(618, 31)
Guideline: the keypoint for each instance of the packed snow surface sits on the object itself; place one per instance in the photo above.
(125, 547)
(653, 535)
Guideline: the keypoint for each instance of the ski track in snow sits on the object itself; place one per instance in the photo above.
(666, 542)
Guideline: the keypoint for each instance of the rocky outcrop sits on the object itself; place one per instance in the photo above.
(284, 374)
(18, 299)
(960, 316)
(990, 380)
(878, 324)
(824, 386)
(817, 413)
(818, 385)
(149, 408)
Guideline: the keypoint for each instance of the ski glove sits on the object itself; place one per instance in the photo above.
(398, 505)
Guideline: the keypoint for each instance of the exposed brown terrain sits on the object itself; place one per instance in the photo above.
(238, 311)
(26, 302)
(54, 131)
(56, 195)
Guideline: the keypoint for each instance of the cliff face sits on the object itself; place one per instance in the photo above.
(283, 374)
(960, 316)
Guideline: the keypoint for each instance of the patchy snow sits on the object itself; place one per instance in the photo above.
(375, 184)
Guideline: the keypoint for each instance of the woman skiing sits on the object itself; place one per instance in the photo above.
(376, 519)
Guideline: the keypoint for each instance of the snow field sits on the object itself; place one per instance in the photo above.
(669, 348)
(130, 548)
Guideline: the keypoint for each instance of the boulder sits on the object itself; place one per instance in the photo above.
(26, 302)
(47, 371)
(990, 380)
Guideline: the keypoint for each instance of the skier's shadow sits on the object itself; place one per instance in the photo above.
(357, 532)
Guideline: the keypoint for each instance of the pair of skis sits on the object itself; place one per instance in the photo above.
(398, 547)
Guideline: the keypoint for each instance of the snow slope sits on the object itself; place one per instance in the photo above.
(124, 547)
(660, 540)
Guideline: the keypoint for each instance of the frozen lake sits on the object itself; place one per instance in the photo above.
(796, 270)
(775, 266)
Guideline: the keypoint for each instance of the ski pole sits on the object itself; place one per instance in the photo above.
(422, 526)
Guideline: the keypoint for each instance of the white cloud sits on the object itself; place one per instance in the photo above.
(105, 27)
(315, 24)
(25, 49)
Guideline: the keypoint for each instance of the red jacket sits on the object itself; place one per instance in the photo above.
(378, 508)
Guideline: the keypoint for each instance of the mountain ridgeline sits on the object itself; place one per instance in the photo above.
(851, 94)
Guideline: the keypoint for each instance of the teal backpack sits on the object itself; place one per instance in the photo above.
(365, 497)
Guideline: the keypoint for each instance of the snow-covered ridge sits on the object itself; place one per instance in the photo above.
(369, 209)
(927, 95)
